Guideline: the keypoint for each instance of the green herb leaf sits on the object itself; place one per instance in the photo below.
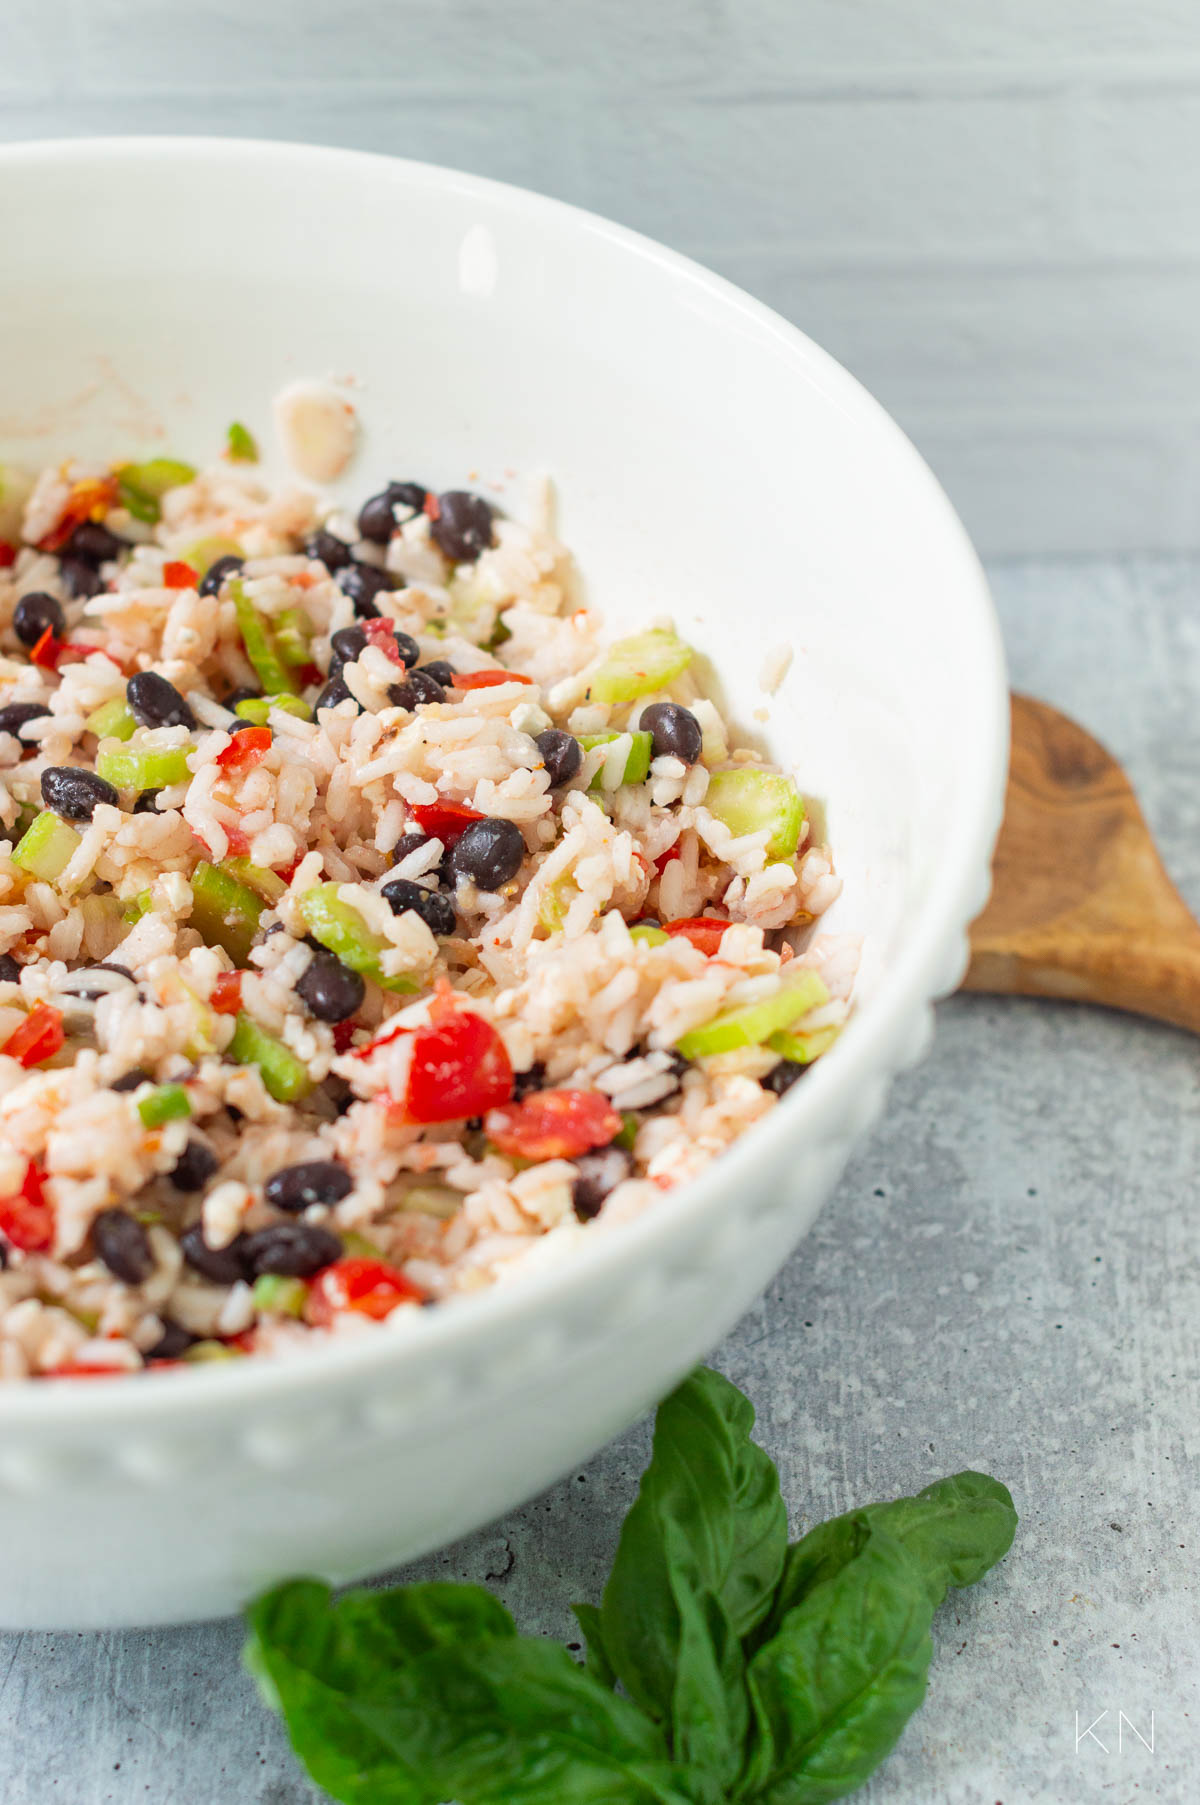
(697, 1565)
(835, 1687)
(598, 1664)
(427, 1693)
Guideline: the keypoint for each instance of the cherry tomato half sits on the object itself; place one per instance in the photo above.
(246, 749)
(460, 1067)
(487, 679)
(368, 1287)
(38, 1037)
(703, 931)
(27, 1220)
(554, 1125)
(445, 821)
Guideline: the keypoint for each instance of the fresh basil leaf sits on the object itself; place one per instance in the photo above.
(833, 1689)
(598, 1664)
(697, 1565)
(426, 1693)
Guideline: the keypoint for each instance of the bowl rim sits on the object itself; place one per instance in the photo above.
(907, 986)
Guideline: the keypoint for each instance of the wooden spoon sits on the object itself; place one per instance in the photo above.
(1081, 906)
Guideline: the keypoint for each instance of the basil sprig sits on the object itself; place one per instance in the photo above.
(747, 1670)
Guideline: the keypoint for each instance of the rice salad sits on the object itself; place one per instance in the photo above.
(370, 928)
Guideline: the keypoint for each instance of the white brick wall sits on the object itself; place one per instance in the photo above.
(989, 209)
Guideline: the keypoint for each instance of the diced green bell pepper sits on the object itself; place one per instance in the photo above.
(751, 799)
(639, 665)
(752, 1023)
(637, 762)
(169, 1103)
(279, 1296)
(137, 906)
(225, 911)
(802, 1049)
(341, 929)
(258, 708)
(259, 641)
(112, 720)
(47, 847)
(141, 487)
(241, 444)
(292, 635)
(145, 767)
(649, 932)
(285, 1077)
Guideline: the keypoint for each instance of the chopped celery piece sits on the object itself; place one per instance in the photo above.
(47, 848)
(432, 1200)
(499, 634)
(201, 1352)
(342, 929)
(206, 551)
(753, 1023)
(802, 1049)
(639, 665)
(630, 1123)
(169, 1103)
(637, 762)
(281, 1296)
(649, 932)
(137, 906)
(267, 884)
(141, 487)
(557, 898)
(145, 767)
(292, 634)
(749, 800)
(241, 444)
(259, 641)
(257, 708)
(285, 1077)
(112, 720)
(360, 1247)
(225, 911)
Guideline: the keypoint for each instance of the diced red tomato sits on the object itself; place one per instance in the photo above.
(178, 575)
(432, 506)
(343, 1036)
(88, 1369)
(288, 872)
(246, 749)
(460, 1067)
(367, 1287)
(445, 821)
(38, 1037)
(48, 651)
(382, 633)
(8, 554)
(226, 996)
(239, 843)
(488, 679)
(554, 1125)
(88, 500)
(665, 858)
(703, 931)
(309, 674)
(27, 1220)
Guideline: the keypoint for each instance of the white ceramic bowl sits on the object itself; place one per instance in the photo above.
(711, 463)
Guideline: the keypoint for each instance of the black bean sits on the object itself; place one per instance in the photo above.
(335, 691)
(489, 852)
(194, 1167)
(10, 971)
(377, 516)
(407, 843)
(418, 687)
(223, 1265)
(330, 990)
(294, 1188)
(245, 692)
(219, 572)
(598, 1174)
(74, 793)
(122, 1243)
(781, 1077)
(34, 613)
(675, 730)
(19, 714)
(463, 527)
(3, 1257)
(328, 550)
(294, 1249)
(129, 1081)
(79, 578)
(410, 651)
(147, 803)
(346, 647)
(362, 583)
(562, 755)
(440, 669)
(156, 703)
(92, 543)
(174, 1341)
(79, 986)
(532, 1080)
(435, 909)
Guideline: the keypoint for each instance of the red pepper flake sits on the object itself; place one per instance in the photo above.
(666, 858)
(704, 932)
(89, 500)
(48, 650)
(178, 575)
(433, 507)
(382, 633)
(38, 1037)
(343, 1036)
(226, 996)
(365, 1287)
(246, 749)
(487, 679)
(8, 554)
(445, 821)
(27, 1220)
